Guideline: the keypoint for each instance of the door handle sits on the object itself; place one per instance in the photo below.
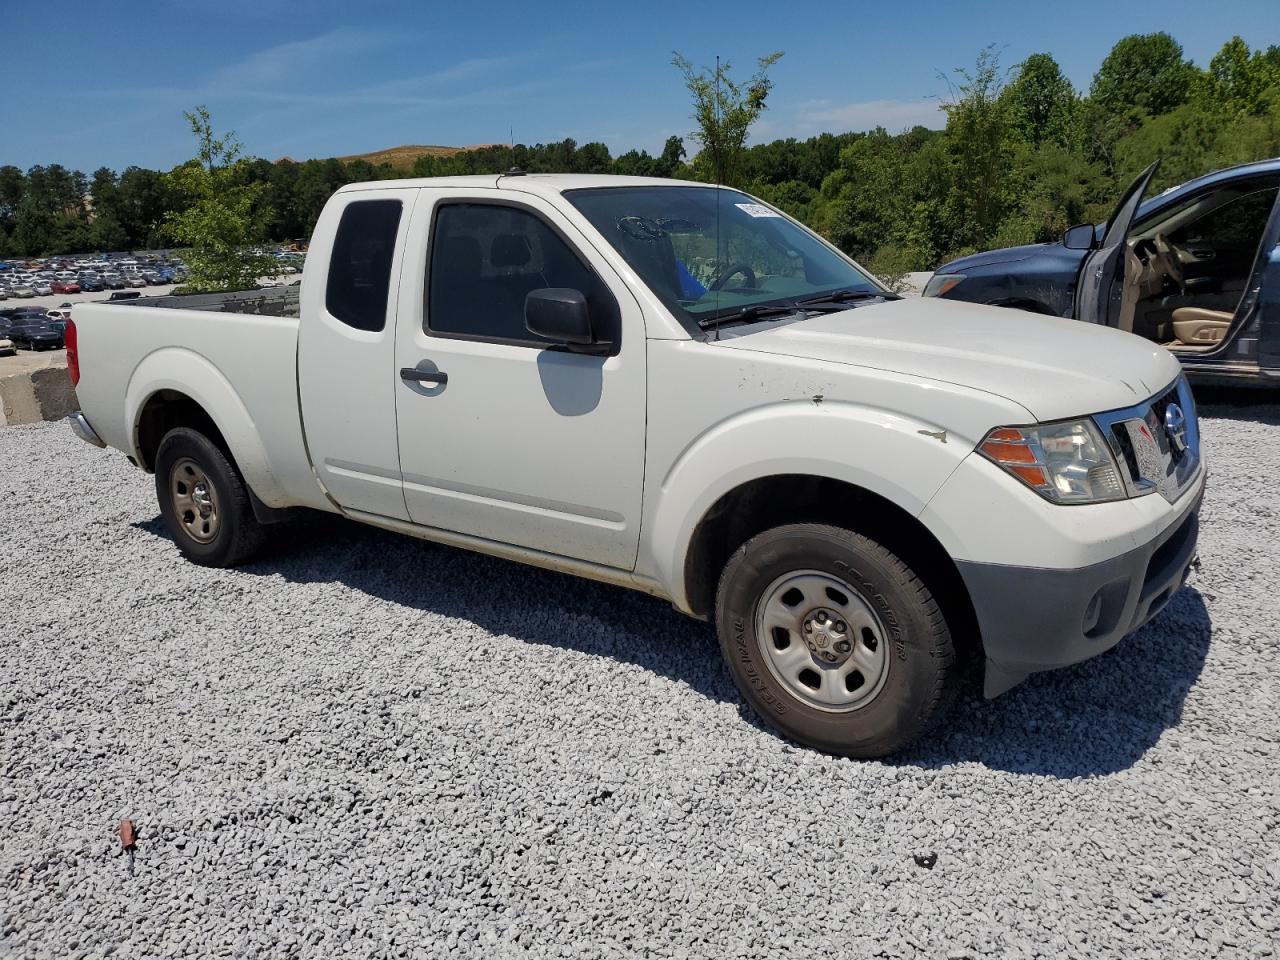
(423, 376)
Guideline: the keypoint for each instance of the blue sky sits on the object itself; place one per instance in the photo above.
(93, 83)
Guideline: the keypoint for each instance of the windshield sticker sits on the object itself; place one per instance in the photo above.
(756, 210)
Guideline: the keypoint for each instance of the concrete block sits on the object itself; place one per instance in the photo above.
(32, 395)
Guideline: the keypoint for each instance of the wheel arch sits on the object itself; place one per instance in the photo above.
(771, 501)
(175, 387)
(834, 442)
(165, 410)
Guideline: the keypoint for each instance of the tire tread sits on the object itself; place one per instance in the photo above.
(945, 682)
(247, 536)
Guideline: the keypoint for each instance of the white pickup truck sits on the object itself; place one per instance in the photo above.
(678, 389)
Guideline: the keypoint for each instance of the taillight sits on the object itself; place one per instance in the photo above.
(73, 358)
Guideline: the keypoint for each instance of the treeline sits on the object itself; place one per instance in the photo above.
(1023, 155)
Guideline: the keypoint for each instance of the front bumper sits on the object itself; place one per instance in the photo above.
(1035, 619)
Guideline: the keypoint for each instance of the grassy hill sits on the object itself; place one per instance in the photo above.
(405, 155)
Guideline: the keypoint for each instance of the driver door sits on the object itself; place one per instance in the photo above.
(1096, 288)
(505, 436)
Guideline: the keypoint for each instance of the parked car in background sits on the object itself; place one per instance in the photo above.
(65, 286)
(1195, 269)
(43, 288)
(91, 285)
(134, 281)
(858, 489)
(7, 349)
(35, 335)
(22, 313)
(24, 290)
(113, 281)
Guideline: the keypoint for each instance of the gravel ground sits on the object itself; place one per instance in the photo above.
(366, 746)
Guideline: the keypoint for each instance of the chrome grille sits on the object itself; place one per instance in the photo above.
(1156, 443)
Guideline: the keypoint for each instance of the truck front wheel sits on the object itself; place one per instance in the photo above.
(834, 640)
(204, 502)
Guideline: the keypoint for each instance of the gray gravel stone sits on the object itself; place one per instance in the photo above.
(368, 746)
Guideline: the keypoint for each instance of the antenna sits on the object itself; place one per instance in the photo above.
(512, 132)
(719, 133)
(719, 176)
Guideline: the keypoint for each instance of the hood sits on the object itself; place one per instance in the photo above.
(1053, 367)
(989, 257)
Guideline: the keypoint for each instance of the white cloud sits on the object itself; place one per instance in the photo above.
(278, 64)
(287, 74)
(808, 118)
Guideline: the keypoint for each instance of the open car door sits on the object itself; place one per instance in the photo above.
(1261, 304)
(1094, 289)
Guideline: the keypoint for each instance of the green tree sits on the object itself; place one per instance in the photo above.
(1145, 72)
(142, 201)
(671, 160)
(222, 218)
(978, 133)
(1043, 105)
(886, 202)
(105, 232)
(34, 230)
(1238, 79)
(724, 110)
(13, 187)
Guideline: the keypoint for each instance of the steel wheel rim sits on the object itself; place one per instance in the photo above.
(195, 502)
(797, 629)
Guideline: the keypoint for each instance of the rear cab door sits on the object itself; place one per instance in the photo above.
(1097, 293)
(346, 349)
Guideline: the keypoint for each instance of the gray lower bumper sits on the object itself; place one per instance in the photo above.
(1035, 619)
(80, 427)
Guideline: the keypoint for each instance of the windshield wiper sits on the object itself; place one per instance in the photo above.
(757, 311)
(837, 298)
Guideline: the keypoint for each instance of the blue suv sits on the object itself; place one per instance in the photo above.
(1195, 269)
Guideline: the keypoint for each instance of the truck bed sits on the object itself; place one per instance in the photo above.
(235, 354)
(278, 301)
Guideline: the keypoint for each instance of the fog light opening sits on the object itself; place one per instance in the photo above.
(1091, 615)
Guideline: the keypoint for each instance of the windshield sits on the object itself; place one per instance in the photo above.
(710, 252)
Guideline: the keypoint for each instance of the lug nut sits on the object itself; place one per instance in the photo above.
(841, 626)
(822, 618)
(843, 646)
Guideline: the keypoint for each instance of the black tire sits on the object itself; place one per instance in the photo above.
(239, 535)
(918, 679)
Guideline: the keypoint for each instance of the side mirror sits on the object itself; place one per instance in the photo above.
(559, 314)
(1079, 237)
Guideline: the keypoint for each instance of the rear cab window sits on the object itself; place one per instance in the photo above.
(359, 279)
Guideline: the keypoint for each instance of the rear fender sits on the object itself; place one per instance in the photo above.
(186, 372)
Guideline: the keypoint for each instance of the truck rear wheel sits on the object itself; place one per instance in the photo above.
(834, 640)
(204, 501)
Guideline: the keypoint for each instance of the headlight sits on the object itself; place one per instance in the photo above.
(1065, 462)
(940, 283)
